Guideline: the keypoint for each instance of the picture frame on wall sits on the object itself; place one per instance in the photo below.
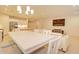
(58, 22)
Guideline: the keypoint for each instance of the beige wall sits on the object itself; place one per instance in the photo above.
(71, 25)
(4, 21)
(35, 24)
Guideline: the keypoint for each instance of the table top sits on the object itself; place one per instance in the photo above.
(27, 40)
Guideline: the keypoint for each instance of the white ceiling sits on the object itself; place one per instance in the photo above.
(43, 11)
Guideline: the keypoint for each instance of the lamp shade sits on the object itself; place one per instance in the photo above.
(32, 11)
(19, 9)
(28, 8)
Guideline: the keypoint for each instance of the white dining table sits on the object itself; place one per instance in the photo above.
(31, 41)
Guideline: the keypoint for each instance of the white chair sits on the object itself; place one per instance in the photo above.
(54, 46)
(64, 43)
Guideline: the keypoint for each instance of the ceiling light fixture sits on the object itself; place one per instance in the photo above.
(32, 11)
(28, 8)
(28, 11)
(19, 9)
